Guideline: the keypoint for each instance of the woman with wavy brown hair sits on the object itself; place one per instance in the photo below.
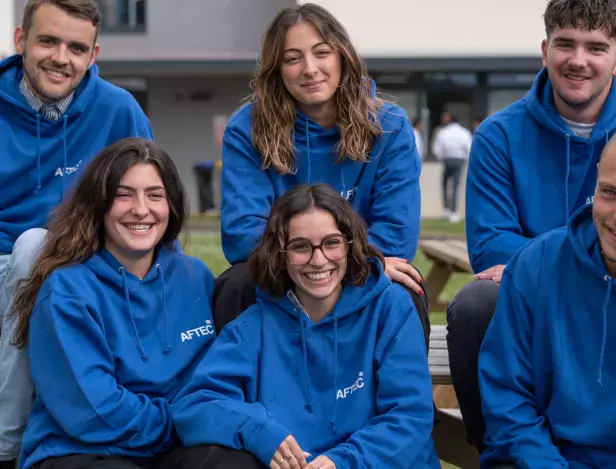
(115, 321)
(329, 367)
(314, 116)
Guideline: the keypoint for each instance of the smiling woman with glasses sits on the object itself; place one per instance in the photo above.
(328, 369)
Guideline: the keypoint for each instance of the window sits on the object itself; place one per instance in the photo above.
(123, 15)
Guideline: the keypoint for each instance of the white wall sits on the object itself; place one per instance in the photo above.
(184, 127)
(442, 28)
(6, 28)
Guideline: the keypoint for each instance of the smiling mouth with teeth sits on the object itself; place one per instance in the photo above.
(139, 228)
(319, 275)
(575, 77)
(55, 73)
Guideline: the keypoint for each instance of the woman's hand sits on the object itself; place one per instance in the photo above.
(399, 270)
(321, 462)
(289, 455)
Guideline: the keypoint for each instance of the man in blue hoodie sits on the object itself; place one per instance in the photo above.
(546, 376)
(56, 113)
(531, 166)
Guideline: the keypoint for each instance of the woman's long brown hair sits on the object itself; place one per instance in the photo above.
(76, 230)
(274, 110)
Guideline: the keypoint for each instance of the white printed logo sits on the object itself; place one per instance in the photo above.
(343, 393)
(202, 331)
(349, 195)
(69, 170)
(590, 200)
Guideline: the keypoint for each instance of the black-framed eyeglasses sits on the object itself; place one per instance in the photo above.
(300, 251)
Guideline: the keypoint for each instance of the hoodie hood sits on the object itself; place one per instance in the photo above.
(585, 240)
(540, 103)
(11, 73)
(353, 299)
(44, 157)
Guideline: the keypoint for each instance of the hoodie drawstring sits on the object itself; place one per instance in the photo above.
(332, 422)
(144, 357)
(608, 293)
(308, 149)
(568, 138)
(38, 152)
(167, 347)
(65, 157)
(298, 307)
(309, 406)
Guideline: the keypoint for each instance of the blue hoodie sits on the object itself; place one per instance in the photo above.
(528, 172)
(384, 191)
(42, 159)
(546, 376)
(355, 387)
(109, 352)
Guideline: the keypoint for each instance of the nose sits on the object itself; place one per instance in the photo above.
(310, 68)
(318, 258)
(140, 206)
(578, 58)
(60, 56)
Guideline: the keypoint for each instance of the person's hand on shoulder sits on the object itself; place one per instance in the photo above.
(494, 273)
(289, 455)
(401, 271)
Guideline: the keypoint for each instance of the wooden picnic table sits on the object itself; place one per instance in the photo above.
(448, 256)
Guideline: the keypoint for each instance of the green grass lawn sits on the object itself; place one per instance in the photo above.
(206, 246)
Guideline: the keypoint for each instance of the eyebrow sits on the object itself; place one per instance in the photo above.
(80, 44)
(318, 44)
(566, 40)
(132, 189)
(292, 240)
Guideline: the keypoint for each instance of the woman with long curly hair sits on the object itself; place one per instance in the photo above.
(314, 116)
(115, 321)
(329, 367)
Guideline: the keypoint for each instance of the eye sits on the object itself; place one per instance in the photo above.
(332, 242)
(157, 195)
(300, 247)
(291, 60)
(122, 195)
(323, 53)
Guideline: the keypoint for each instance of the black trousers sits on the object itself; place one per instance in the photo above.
(468, 318)
(235, 291)
(196, 457)
(452, 173)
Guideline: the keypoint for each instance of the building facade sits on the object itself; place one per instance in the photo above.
(7, 26)
(190, 62)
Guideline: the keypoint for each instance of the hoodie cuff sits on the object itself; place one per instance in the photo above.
(339, 456)
(266, 440)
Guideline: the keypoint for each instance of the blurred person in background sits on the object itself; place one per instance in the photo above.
(56, 114)
(452, 146)
(417, 130)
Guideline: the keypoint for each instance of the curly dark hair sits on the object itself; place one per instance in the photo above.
(267, 264)
(583, 14)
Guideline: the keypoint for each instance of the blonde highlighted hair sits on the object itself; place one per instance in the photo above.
(274, 110)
